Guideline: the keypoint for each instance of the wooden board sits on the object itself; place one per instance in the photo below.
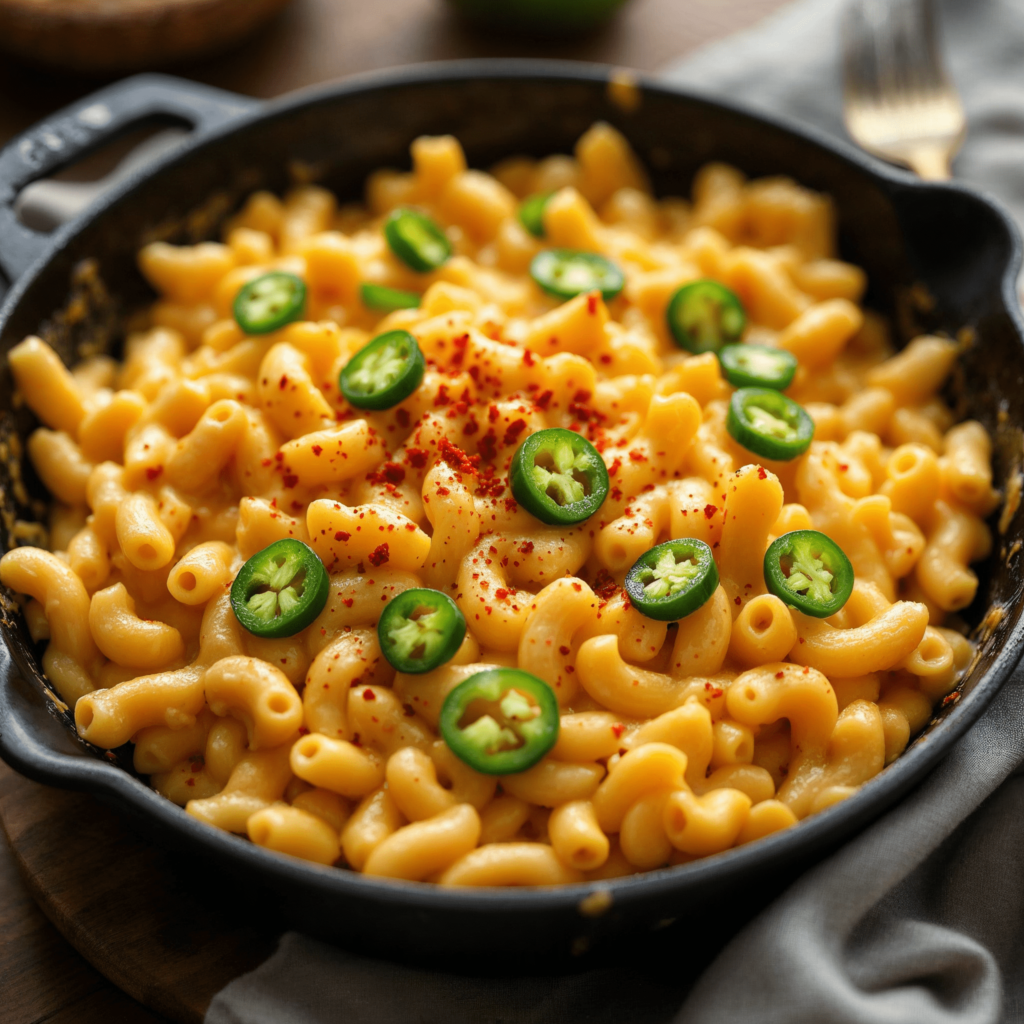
(169, 935)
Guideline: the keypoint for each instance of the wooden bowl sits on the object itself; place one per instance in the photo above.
(113, 36)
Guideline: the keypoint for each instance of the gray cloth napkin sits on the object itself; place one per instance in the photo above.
(920, 919)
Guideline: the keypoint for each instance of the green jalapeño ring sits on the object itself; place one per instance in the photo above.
(531, 213)
(280, 590)
(809, 572)
(384, 372)
(386, 300)
(705, 315)
(420, 630)
(269, 302)
(566, 273)
(672, 580)
(500, 721)
(417, 240)
(758, 366)
(769, 424)
(558, 476)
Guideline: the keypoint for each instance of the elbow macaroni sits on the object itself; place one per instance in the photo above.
(677, 741)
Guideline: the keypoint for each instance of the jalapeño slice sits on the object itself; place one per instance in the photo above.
(809, 572)
(769, 424)
(531, 213)
(558, 476)
(673, 579)
(705, 315)
(269, 302)
(384, 372)
(420, 630)
(500, 721)
(758, 366)
(387, 300)
(417, 240)
(280, 590)
(566, 273)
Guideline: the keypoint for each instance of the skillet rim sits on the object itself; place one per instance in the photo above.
(39, 761)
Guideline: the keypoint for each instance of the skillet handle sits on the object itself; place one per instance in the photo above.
(72, 132)
(38, 739)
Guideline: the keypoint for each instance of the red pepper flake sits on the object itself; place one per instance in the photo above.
(490, 485)
(343, 536)
(443, 492)
(152, 472)
(739, 601)
(615, 466)
(442, 398)
(843, 467)
(779, 675)
(564, 651)
(510, 505)
(402, 417)
(526, 547)
(266, 462)
(460, 344)
(709, 511)
(501, 593)
(543, 400)
(190, 782)
(636, 455)
(283, 382)
(291, 480)
(578, 587)
(528, 358)
(416, 457)
(387, 473)
(761, 474)
(316, 449)
(408, 710)
(605, 586)
(951, 698)
(617, 494)
(618, 729)
(604, 358)
(348, 601)
(368, 694)
(487, 446)
(592, 303)
(457, 458)
(379, 555)
(514, 430)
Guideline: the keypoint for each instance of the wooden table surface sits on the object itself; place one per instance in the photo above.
(42, 978)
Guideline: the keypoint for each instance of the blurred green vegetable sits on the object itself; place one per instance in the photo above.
(549, 17)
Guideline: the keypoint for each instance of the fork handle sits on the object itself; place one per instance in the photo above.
(930, 162)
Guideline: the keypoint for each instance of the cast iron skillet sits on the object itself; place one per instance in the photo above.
(957, 248)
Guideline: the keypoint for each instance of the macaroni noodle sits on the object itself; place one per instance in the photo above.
(675, 739)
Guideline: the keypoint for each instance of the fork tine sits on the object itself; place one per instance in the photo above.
(898, 99)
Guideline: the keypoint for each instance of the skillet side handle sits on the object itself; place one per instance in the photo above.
(32, 742)
(77, 129)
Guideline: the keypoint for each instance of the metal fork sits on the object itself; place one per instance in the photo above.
(898, 101)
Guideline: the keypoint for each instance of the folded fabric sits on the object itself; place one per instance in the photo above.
(792, 64)
(919, 920)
